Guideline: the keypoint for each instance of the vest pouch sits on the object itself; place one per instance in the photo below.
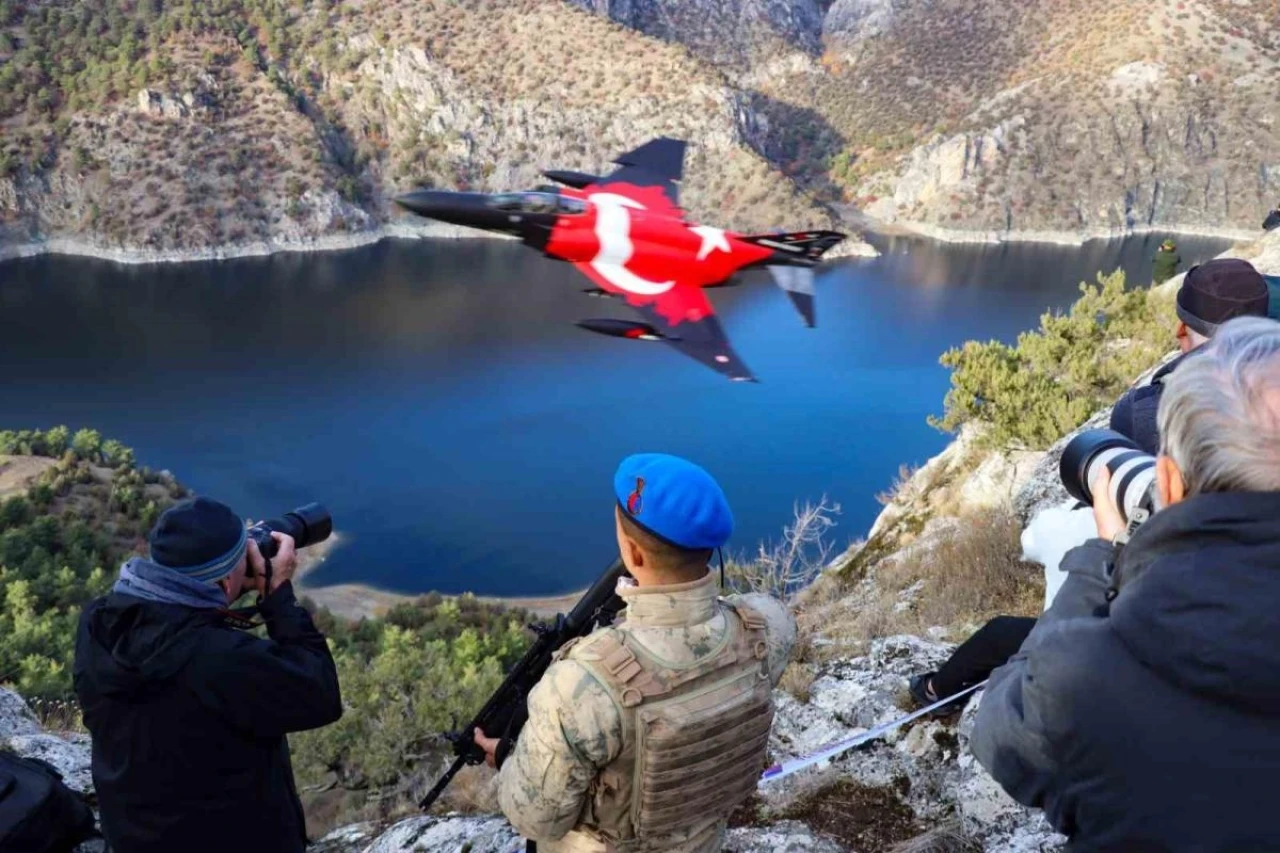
(699, 752)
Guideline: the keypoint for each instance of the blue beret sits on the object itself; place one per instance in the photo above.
(673, 499)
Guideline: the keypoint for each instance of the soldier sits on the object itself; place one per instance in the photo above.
(644, 736)
(1165, 263)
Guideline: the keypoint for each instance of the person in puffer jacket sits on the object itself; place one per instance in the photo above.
(1143, 711)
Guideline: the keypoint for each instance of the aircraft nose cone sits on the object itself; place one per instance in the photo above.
(458, 208)
(430, 203)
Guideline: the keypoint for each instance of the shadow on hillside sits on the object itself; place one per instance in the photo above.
(798, 140)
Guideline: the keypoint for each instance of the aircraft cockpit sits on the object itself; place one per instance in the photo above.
(538, 202)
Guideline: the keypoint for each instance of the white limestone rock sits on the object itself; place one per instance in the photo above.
(15, 717)
(71, 756)
(784, 837)
(448, 835)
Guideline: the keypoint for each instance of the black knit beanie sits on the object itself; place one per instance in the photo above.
(1215, 292)
(200, 538)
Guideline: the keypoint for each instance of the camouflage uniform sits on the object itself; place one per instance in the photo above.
(576, 727)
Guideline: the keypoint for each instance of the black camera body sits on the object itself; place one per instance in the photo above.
(307, 525)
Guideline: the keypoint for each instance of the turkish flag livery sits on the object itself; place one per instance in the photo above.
(627, 233)
(635, 243)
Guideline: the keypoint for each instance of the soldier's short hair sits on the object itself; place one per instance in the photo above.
(666, 556)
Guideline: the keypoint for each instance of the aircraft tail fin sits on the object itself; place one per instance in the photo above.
(802, 245)
(797, 282)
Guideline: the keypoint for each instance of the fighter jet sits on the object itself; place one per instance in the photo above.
(627, 234)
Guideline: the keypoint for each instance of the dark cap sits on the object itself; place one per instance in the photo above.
(1213, 293)
(200, 538)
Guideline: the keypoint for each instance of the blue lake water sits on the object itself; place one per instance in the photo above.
(437, 398)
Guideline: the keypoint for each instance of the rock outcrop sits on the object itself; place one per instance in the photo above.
(68, 753)
(849, 21)
(734, 34)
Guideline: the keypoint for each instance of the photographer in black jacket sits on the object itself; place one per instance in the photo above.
(189, 714)
(1211, 294)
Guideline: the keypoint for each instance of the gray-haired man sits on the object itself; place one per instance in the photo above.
(1143, 712)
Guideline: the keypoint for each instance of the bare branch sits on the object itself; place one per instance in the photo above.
(783, 568)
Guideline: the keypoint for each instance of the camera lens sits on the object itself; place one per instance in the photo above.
(1132, 471)
(310, 524)
(307, 525)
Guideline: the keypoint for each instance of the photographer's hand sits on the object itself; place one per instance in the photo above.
(1105, 513)
(256, 580)
(285, 562)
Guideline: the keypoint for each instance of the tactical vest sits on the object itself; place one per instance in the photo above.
(694, 738)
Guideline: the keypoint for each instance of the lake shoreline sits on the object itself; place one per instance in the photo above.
(1053, 237)
(362, 601)
(852, 248)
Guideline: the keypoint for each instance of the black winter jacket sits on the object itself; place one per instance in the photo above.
(1153, 723)
(189, 716)
(1134, 414)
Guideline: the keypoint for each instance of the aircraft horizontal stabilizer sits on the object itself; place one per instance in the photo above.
(798, 284)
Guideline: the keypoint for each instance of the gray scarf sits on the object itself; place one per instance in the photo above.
(144, 579)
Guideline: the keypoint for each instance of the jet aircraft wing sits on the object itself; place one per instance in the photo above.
(686, 320)
(657, 163)
(703, 339)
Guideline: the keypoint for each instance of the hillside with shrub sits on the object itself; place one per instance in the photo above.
(1073, 118)
(164, 126)
(72, 506)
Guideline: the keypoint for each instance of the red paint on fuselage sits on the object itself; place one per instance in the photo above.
(664, 248)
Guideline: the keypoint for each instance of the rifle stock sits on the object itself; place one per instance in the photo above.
(504, 714)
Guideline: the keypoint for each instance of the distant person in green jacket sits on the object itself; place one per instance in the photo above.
(1166, 262)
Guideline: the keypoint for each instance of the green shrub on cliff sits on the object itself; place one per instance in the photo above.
(62, 536)
(423, 669)
(1031, 394)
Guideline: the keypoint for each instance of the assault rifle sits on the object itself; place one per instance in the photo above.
(506, 711)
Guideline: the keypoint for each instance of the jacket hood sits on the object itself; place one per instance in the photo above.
(131, 647)
(1199, 592)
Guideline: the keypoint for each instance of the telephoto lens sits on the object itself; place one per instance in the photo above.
(1133, 473)
(307, 525)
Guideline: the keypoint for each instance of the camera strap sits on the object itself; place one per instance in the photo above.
(1136, 519)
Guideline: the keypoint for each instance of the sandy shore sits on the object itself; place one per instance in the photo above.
(361, 601)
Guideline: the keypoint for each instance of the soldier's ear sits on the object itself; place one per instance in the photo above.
(639, 558)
